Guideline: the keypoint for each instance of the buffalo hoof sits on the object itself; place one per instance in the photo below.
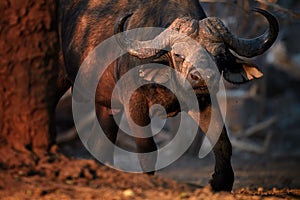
(151, 173)
(222, 181)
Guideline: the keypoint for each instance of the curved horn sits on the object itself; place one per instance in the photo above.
(253, 47)
(119, 25)
(136, 48)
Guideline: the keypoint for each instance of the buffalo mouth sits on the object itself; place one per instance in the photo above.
(203, 89)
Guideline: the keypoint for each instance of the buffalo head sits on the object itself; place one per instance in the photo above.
(213, 43)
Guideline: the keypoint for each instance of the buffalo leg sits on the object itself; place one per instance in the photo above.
(147, 161)
(223, 176)
(140, 125)
(145, 144)
(109, 127)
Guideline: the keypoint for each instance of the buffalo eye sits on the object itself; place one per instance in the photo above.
(179, 57)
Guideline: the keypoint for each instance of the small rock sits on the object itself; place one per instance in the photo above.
(275, 190)
(128, 193)
(69, 182)
(260, 189)
(29, 192)
(183, 195)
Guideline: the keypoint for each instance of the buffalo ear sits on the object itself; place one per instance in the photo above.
(242, 72)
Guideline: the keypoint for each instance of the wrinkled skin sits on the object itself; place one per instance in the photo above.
(85, 24)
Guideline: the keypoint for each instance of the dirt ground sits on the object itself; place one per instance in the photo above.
(57, 177)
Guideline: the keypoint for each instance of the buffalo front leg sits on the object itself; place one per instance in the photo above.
(223, 176)
(139, 122)
(110, 128)
(147, 154)
(211, 118)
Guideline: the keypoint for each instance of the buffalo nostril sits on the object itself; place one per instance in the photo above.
(195, 75)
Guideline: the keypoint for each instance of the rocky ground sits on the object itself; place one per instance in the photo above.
(57, 177)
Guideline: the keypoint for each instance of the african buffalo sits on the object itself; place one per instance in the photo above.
(86, 23)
